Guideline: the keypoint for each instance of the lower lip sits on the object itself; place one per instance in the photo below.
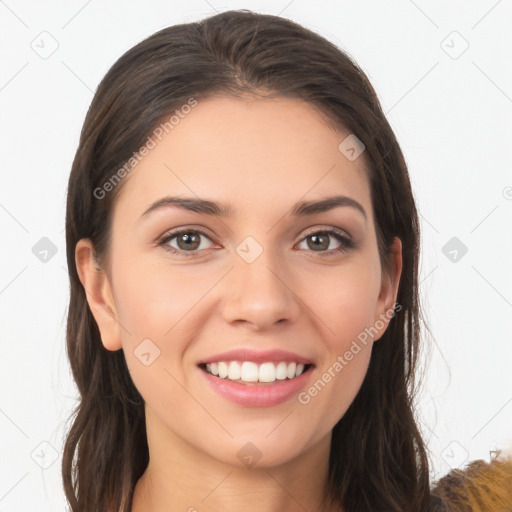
(258, 395)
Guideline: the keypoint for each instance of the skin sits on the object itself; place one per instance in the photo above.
(260, 156)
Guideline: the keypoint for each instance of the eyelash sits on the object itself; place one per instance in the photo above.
(346, 243)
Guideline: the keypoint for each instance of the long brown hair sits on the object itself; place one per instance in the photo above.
(378, 459)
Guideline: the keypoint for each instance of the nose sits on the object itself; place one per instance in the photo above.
(260, 294)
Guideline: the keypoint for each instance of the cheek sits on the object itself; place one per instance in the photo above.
(345, 300)
(158, 307)
(154, 305)
(154, 299)
(345, 306)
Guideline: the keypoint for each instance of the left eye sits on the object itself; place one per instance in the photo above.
(320, 241)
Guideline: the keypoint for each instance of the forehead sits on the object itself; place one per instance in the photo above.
(258, 155)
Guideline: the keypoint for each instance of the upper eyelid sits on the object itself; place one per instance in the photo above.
(326, 229)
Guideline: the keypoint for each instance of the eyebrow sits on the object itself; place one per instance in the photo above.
(213, 208)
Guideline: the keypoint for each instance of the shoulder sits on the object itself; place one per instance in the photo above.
(479, 487)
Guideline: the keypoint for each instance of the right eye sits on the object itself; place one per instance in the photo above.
(188, 241)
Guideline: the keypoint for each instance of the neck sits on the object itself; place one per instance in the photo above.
(180, 478)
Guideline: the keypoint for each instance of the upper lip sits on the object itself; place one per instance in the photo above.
(257, 356)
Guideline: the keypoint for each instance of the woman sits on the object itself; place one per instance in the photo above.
(243, 245)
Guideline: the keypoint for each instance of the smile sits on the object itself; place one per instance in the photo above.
(251, 372)
(257, 378)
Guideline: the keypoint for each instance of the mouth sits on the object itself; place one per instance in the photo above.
(252, 373)
(257, 379)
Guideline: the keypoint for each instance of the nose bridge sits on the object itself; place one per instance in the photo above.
(256, 291)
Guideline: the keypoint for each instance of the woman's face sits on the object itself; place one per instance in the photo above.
(258, 290)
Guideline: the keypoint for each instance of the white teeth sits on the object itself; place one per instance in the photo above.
(249, 372)
(281, 371)
(290, 371)
(223, 370)
(235, 371)
(252, 372)
(267, 372)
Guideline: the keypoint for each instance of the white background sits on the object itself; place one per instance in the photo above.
(452, 117)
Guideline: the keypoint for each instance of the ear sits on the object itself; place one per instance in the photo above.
(98, 294)
(389, 290)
